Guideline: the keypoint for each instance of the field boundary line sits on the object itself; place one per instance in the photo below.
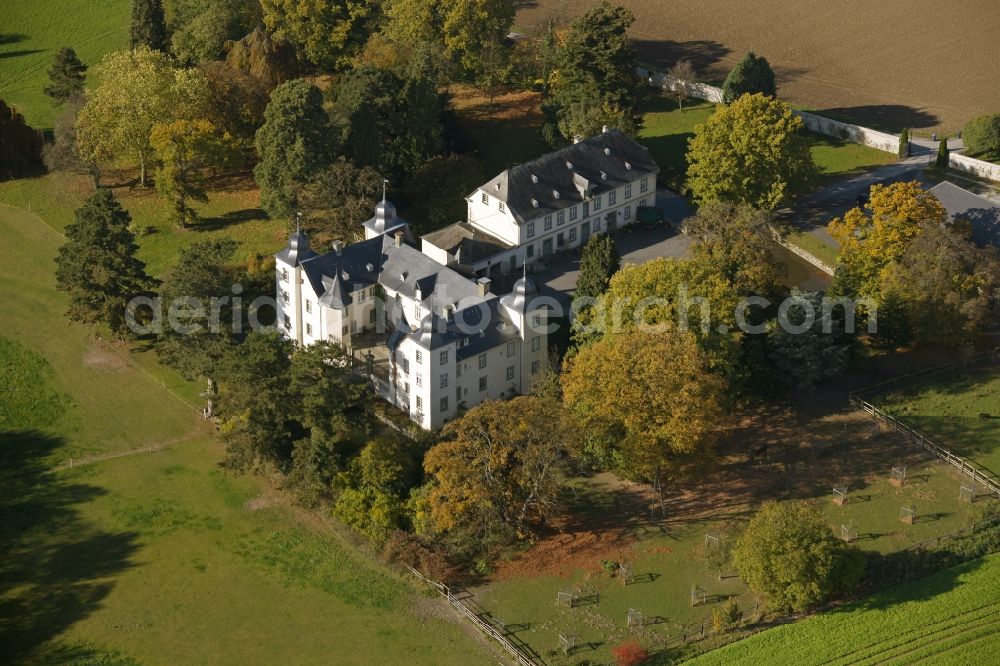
(102, 457)
(974, 470)
(464, 603)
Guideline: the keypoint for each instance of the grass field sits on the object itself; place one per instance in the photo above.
(948, 407)
(952, 617)
(860, 60)
(32, 32)
(232, 213)
(162, 558)
(610, 521)
(814, 245)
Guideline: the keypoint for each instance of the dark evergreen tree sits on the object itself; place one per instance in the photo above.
(295, 143)
(391, 123)
(943, 154)
(97, 266)
(196, 348)
(258, 427)
(904, 143)
(148, 25)
(600, 260)
(893, 323)
(800, 359)
(66, 76)
(752, 74)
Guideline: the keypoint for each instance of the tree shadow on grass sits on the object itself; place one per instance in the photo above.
(54, 566)
(229, 219)
(916, 590)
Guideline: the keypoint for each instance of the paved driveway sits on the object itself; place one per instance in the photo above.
(559, 277)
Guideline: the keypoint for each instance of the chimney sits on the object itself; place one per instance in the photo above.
(399, 238)
(604, 130)
(338, 247)
(484, 286)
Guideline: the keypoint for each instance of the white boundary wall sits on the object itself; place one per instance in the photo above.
(821, 125)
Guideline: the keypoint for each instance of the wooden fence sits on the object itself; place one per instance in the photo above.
(464, 602)
(973, 470)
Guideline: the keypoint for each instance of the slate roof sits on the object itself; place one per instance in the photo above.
(592, 166)
(982, 213)
(471, 245)
(401, 268)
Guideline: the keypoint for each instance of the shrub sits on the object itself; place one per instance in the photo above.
(904, 143)
(629, 653)
(982, 136)
(942, 156)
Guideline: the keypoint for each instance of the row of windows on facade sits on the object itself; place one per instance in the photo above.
(560, 219)
(597, 200)
(535, 369)
(443, 356)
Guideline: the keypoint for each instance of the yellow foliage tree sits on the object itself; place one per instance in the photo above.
(753, 152)
(654, 391)
(874, 238)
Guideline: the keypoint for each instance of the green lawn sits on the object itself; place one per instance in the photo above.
(30, 34)
(952, 617)
(231, 213)
(161, 558)
(814, 246)
(666, 131)
(948, 407)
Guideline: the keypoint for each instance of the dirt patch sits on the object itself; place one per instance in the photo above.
(102, 358)
(863, 60)
(258, 503)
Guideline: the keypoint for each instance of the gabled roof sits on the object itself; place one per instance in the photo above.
(983, 214)
(564, 178)
(400, 268)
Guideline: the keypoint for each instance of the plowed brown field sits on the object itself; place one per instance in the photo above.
(926, 64)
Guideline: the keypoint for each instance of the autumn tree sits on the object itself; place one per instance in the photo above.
(498, 468)
(185, 148)
(256, 425)
(197, 300)
(97, 266)
(789, 555)
(950, 286)
(472, 30)
(63, 152)
(66, 76)
(598, 262)
(148, 29)
(372, 491)
(139, 88)
(270, 61)
(873, 239)
(650, 397)
(683, 76)
(236, 101)
(753, 151)
(295, 143)
(751, 75)
(326, 34)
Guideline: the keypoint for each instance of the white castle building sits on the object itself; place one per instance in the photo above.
(434, 337)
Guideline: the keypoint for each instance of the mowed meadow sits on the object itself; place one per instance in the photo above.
(925, 65)
(162, 557)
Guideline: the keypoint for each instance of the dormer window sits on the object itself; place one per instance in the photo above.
(604, 176)
(555, 194)
(607, 151)
(402, 276)
(534, 179)
(569, 165)
(534, 203)
(628, 166)
(498, 186)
